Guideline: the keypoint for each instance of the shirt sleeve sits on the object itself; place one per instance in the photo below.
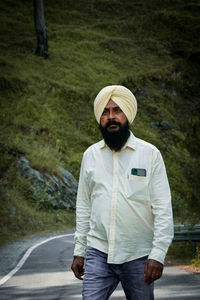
(161, 208)
(83, 210)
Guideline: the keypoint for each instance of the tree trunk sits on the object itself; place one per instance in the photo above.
(40, 28)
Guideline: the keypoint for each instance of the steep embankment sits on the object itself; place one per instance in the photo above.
(152, 47)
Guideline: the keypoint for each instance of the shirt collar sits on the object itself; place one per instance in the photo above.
(102, 144)
(131, 143)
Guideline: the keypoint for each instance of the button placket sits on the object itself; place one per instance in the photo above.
(113, 208)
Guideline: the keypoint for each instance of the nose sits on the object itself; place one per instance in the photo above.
(111, 114)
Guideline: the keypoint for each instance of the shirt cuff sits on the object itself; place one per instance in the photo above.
(80, 244)
(158, 255)
(79, 250)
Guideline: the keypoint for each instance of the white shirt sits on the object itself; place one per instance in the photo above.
(126, 216)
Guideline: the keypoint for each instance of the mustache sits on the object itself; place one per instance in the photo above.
(112, 122)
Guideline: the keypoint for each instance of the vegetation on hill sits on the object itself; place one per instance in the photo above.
(152, 47)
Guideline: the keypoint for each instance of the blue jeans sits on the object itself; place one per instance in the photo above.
(101, 278)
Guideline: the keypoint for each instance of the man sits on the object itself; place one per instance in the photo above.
(124, 215)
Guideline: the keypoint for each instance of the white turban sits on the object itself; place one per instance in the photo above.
(122, 96)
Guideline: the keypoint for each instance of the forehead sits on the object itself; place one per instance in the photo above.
(111, 103)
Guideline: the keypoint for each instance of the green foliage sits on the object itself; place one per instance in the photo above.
(152, 47)
(183, 252)
(180, 251)
(196, 260)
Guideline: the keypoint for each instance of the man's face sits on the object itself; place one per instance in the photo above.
(114, 126)
(112, 117)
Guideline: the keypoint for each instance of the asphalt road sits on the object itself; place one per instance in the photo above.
(46, 274)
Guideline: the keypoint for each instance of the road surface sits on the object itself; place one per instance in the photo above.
(46, 274)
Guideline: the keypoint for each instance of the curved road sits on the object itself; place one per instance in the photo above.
(46, 274)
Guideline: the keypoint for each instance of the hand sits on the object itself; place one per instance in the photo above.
(77, 267)
(153, 270)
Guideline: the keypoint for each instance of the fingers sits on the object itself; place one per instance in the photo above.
(77, 267)
(153, 271)
(78, 272)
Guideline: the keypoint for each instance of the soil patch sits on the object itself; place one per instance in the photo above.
(186, 267)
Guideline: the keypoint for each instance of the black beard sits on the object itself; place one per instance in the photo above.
(115, 140)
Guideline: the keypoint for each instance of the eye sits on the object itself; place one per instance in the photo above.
(105, 112)
(117, 109)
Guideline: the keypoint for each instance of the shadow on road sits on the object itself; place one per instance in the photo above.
(67, 292)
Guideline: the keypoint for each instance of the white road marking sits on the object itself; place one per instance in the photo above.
(27, 254)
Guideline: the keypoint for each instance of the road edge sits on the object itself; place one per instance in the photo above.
(27, 254)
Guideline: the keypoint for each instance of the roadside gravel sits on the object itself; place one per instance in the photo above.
(185, 267)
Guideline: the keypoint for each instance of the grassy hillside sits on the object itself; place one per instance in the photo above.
(152, 47)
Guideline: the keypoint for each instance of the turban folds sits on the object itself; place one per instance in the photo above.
(122, 96)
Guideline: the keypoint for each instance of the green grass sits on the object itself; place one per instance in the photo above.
(183, 253)
(47, 105)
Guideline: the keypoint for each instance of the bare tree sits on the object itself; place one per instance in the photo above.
(40, 27)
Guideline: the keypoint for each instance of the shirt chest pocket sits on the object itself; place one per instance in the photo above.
(136, 188)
